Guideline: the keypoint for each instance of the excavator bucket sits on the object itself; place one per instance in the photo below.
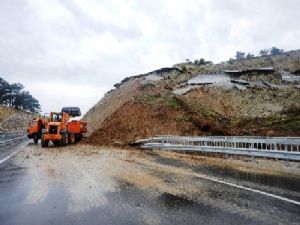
(72, 111)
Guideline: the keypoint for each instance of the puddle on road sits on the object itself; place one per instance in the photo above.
(169, 161)
(2, 181)
(164, 207)
(280, 181)
(10, 173)
(170, 200)
(288, 183)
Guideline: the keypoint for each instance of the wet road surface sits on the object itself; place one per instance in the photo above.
(92, 185)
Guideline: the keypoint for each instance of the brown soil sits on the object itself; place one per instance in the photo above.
(135, 121)
(110, 103)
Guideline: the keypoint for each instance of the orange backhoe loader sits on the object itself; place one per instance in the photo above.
(35, 128)
(61, 129)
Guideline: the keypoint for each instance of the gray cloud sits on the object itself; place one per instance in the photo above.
(71, 52)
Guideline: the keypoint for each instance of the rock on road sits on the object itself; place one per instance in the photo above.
(83, 184)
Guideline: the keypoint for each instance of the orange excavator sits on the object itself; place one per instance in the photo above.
(62, 128)
(35, 128)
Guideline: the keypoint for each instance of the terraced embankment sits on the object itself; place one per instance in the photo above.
(261, 96)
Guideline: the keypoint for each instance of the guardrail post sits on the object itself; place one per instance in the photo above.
(286, 163)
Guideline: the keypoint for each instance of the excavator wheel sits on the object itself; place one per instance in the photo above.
(65, 139)
(44, 142)
(71, 138)
(56, 143)
(35, 138)
(78, 138)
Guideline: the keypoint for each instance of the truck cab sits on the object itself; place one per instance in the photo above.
(34, 130)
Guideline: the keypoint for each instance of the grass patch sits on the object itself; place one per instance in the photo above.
(158, 100)
(184, 118)
(283, 123)
(148, 99)
(172, 102)
(291, 124)
(202, 110)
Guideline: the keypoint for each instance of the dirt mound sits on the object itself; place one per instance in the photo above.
(135, 121)
(110, 103)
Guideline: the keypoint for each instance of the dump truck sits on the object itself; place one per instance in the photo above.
(62, 128)
(35, 128)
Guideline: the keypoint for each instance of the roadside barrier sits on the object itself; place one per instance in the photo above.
(287, 148)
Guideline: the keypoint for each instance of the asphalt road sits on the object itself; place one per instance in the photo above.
(92, 185)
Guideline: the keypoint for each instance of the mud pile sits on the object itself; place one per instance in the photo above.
(110, 103)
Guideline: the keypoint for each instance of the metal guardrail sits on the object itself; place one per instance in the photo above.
(271, 147)
(12, 141)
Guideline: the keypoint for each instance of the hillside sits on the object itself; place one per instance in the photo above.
(258, 96)
(12, 120)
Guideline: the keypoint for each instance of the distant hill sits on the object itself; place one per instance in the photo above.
(257, 96)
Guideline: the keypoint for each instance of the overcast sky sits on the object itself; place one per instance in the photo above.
(70, 52)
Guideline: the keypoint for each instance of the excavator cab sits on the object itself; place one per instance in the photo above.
(56, 117)
(61, 130)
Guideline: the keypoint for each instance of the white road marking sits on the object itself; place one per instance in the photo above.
(202, 176)
(19, 147)
(249, 189)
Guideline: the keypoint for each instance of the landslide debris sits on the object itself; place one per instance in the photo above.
(255, 102)
(112, 101)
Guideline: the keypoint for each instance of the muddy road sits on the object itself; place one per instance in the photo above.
(92, 185)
